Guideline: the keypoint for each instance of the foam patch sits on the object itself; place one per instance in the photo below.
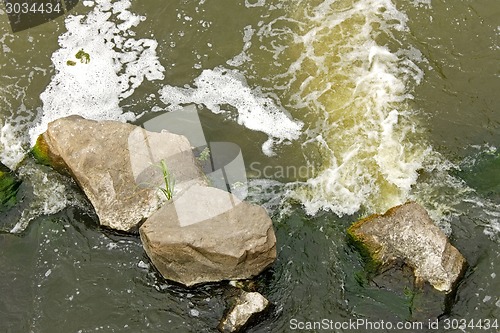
(220, 86)
(98, 65)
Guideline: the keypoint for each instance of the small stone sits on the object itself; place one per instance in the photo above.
(246, 308)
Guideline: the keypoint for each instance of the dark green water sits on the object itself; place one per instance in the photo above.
(395, 100)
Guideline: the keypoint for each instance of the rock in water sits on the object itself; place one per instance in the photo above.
(403, 237)
(407, 233)
(202, 235)
(206, 234)
(247, 306)
(9, 185)
(116, 165)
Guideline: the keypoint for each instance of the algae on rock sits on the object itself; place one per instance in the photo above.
(9, 185)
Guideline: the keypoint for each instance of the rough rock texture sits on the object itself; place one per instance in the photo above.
(115, 164)
(205, 234)
(202, 235)
(407, 233)
(247, 306)
(409, 256)
(9, 184)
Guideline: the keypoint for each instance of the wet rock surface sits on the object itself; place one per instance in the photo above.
(206, 234)
(407, 252)
(247, 307)
(116, 165)
(200, 234)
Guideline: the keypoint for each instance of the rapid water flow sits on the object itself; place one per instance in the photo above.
(377, 101)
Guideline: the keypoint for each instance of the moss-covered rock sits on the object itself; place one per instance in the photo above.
(9, 184)
(369, 250)
(41, 151)
(44, 155)
(407, 233)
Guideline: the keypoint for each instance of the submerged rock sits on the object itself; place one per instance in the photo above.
(405, 236)
(9, 185)
(247, 306)
(206, 234)
(116, 165)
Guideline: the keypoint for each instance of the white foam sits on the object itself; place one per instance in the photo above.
(358, 90)
(51, 194)
(10, 139)
(243, 57)
(427, 3)
(393, 161)
(118, 65)
(219, 87)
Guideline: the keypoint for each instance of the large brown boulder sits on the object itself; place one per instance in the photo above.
(199, 234)
(116, 165)
(206, 234)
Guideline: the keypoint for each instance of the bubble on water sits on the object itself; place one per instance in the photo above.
(427, 3)
(358, 91)
(111, 246)
(143, 265)
(116, 65)
(51, 192)
(219, 87)
(254, 3)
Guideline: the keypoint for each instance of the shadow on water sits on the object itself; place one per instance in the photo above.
(63, 263)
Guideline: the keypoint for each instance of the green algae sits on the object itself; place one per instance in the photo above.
(9, 185)
(368, 250)
(43, 155)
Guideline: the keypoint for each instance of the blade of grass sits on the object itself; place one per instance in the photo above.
(168, 179)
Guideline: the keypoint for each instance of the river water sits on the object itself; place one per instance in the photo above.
(341, 109)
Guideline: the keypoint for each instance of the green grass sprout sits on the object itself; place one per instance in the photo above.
(168, 178)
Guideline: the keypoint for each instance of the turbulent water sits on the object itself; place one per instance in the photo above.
(344, 88)
(355, 87)
(342, 68)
